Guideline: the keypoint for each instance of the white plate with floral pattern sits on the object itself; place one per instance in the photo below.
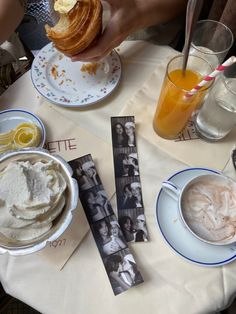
(70, 84)
(178, 237)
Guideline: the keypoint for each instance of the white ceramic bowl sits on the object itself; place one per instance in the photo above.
(15, 247)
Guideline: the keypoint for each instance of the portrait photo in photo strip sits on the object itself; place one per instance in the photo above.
(96, 201)
(133, 225)
(108, 236)
(122, 271)
(126, 162)
(127, 179)
(118, 261)
(85, 173)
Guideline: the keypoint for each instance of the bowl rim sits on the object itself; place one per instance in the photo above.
(74, 196)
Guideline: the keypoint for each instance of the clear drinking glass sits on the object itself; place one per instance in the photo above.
(217, 116)
(174, 109)
(211, 41)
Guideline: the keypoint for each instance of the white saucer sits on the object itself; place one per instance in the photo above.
(178, 237)
(62, 82)
(9, 119)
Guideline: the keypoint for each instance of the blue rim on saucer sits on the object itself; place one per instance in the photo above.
(178, 237)
(16, 116)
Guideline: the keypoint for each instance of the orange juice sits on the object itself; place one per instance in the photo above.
(174, 109)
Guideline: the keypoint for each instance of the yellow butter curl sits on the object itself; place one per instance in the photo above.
(25, 134)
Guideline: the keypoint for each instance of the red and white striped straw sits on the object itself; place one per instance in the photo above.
(211, 76)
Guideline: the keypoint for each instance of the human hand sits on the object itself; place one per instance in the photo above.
(94, 175)
(131, 162)
(142, 226)
(123, 21)
(127, 17)
(115, 275)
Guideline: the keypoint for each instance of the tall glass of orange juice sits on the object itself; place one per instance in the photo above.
(174, 109)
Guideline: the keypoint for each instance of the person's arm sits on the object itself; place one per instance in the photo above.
(133, 164)
(95, 177)
(125, 199)
(121, 244)
(128, 16)
(142, 226)
(115, 275)
(11, 14)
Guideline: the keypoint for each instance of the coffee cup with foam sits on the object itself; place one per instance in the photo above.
(207, 207)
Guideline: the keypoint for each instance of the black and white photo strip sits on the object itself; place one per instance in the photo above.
(104, 225)
(128, 193)
(127, 176)
(126, 162)
(108, 236)
(97, 204)
(130, 215)
(85, 173)
(123, 132)
(122, 271)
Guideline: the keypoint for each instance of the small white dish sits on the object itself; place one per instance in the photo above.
(9, 119)
(62, 82)
(178, 237)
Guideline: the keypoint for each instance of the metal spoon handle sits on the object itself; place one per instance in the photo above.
(192, 14)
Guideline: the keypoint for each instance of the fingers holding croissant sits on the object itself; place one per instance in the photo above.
(78, 34)
(78, 29)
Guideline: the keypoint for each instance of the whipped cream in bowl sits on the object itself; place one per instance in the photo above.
(37, 199)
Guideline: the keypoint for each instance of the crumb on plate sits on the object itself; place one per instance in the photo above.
(90, 68)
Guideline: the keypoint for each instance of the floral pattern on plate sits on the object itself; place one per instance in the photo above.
(65, 83)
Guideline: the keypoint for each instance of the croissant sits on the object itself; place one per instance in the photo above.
(78, 29)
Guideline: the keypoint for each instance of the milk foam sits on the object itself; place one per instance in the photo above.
(209, 208)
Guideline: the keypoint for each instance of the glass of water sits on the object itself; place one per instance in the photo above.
(211, 41)
(217, 116)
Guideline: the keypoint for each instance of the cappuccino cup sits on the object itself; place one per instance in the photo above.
(207, 207)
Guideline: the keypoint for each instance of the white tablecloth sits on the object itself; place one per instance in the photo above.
(172, 285)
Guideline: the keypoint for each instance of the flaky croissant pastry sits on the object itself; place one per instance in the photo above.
(76, 30)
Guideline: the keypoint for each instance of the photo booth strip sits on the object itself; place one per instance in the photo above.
(234, 158)
(119, 263)
(127, 179)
